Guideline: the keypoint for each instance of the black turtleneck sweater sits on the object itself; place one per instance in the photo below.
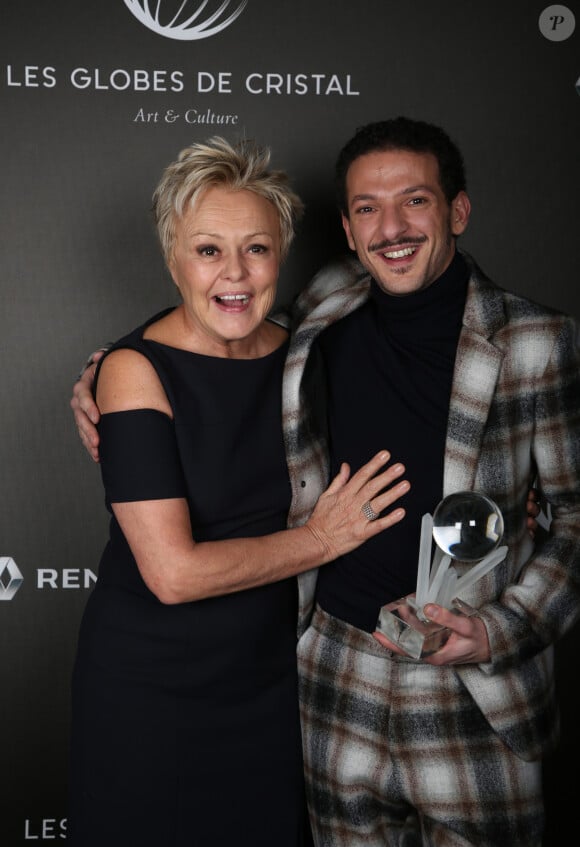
(389, 368)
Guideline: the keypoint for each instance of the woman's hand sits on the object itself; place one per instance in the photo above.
(338, 520)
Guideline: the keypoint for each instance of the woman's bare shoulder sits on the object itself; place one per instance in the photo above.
(128, 380)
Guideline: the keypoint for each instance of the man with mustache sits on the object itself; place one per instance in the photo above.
(476, 389)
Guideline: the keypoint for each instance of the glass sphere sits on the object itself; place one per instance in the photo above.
(467, 526)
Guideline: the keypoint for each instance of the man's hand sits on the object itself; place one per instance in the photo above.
(85, 409)
(468, 642)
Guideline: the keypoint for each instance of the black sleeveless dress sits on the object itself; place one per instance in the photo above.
(185, 725)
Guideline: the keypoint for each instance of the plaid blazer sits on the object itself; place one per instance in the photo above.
(514, 420)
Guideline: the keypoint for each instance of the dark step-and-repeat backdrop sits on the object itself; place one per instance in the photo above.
(96, 98)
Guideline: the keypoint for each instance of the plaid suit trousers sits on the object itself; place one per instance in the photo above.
(398, 753)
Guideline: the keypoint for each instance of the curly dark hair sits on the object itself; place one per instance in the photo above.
(403, 134)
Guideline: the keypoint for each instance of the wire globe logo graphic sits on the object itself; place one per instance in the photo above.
(182, 19)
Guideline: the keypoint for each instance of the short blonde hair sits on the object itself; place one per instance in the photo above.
(240, 166)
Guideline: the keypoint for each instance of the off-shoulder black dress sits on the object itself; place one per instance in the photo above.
(185, 723)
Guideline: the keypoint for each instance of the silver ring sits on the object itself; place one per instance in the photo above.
(368, 511)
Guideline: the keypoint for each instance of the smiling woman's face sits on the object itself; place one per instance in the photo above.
(225, 263)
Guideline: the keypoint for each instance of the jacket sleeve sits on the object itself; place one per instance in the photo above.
(544, 603)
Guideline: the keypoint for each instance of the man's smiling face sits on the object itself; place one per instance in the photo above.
(399, 220)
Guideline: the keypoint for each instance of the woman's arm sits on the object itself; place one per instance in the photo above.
(177, 569)
(87, 414)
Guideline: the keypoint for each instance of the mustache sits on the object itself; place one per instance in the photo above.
(386, 244)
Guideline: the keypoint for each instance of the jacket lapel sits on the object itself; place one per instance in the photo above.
(477, 367)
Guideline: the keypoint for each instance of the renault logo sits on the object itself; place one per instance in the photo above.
(10, 578)
(182, 19)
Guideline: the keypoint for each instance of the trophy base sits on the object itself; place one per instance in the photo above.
(402, 623)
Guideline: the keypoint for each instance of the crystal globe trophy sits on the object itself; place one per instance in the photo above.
(467, 527)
